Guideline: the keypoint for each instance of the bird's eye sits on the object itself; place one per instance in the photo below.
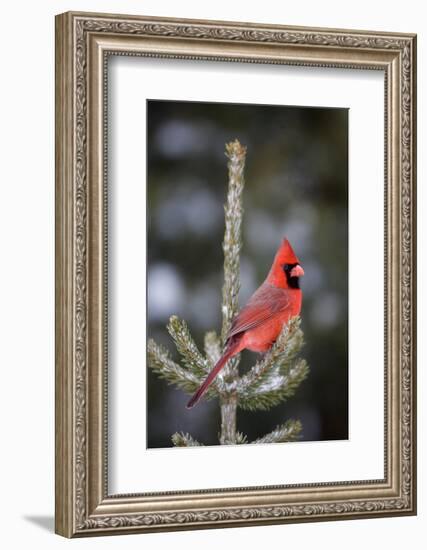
(286, 267)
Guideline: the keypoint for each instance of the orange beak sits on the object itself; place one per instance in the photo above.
(297, 271)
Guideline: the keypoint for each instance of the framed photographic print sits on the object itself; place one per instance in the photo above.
(235, 274)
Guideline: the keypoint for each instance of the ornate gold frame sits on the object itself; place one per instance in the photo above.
(83, 505)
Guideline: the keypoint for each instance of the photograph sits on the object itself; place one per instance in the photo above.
(247, 270)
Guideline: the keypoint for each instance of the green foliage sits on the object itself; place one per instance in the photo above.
(180, 439)
(289, 431)
(241, 438)
(277, 376)
(191, 356)
(161, 363)
(232, 243)
(271, 380)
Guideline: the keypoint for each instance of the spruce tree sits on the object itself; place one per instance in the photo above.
(272, 379)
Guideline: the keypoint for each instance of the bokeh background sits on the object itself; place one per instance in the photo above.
(296, 186)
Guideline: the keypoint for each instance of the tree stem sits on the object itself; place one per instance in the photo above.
(236, 154)
(228, 405)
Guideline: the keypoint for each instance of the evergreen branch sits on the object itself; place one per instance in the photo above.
(278, 388)
(161, 363)
(212, 348)
(276, 377)
(276, 361)
(241, 439)
(191, 356)
(236, 154)
(180, 439)
(289, 431)
(231, 245)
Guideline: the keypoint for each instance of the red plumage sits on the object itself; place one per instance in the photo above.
(260, 322)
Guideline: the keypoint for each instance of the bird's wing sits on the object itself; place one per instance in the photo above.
(266, 302)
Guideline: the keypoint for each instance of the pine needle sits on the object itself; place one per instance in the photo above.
(289, 431)
(181, 439)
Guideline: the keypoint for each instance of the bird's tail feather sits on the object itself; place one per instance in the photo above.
(209, 379)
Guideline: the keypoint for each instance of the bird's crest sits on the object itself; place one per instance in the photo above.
(285, 254)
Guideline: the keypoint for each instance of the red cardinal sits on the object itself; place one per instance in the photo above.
(260, 322)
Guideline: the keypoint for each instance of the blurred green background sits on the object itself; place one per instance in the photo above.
(296, 186)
